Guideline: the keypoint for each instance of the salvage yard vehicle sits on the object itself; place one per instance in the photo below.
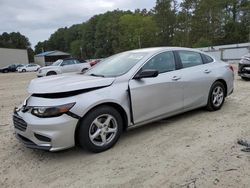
(28, 68)
(244, 67)
(63, 66)
(10, 68)
(128, 89)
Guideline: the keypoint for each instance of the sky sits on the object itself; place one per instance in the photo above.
(38, 19)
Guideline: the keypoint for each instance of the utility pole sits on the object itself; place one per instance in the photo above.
(139, 41)
(81, 51)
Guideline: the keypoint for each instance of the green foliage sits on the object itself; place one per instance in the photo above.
(14, 40)
(192, 23)
(202, 42)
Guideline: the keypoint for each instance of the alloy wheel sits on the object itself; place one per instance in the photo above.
(217, 96)
(103, 130)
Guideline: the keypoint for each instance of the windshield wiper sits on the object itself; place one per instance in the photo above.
(97, 75)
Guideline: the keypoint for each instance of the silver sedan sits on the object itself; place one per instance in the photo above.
(127, 89)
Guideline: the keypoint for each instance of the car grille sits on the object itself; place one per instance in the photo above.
(19, 123)
(242, 69)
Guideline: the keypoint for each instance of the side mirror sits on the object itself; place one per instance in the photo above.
(147, 73)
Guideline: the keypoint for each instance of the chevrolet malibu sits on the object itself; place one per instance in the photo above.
(128, 89)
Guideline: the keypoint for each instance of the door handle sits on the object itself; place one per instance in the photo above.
(207, 71)
(176, 78)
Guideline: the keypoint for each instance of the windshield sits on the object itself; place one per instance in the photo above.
(57, 63)
(117, 65)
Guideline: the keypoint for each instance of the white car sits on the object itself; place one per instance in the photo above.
(63, 66)
(29, 68)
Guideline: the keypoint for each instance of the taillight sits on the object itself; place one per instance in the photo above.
(231, 68)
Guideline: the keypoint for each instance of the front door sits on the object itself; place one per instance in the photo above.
(68, 66)
(158, 96)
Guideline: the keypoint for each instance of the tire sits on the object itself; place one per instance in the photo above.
(245, 78)
(217, 90)
(50, 73)
(6, 71)
(23, 70)
(93, 124)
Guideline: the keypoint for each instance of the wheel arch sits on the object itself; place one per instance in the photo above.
(54, 71)
(118, 107)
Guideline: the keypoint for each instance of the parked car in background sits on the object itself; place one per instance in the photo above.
(10, 68)
(128, 89)
(63, 66)
(244, 67)
(19, 65)
(28, 68)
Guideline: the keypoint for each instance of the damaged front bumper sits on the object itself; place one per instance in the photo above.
(50, 134)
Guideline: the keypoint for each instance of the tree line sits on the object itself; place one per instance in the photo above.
(191, 23)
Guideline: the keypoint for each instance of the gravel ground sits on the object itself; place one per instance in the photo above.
(195, 149)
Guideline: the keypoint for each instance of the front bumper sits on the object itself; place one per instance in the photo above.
(40, 74)
(244, 70)
(50, 134)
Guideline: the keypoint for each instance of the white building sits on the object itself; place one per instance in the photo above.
(10, 56)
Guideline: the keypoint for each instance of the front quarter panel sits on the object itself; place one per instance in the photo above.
(117, 93)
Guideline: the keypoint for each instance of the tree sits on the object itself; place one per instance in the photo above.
(165, 17)
(14, 40)
(137, 31)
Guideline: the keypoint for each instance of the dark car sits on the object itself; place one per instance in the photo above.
(10, 68)
(244, 67)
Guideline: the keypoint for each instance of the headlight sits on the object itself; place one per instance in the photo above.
(54, 111)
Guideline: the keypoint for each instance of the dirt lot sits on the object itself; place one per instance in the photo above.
(197, 148)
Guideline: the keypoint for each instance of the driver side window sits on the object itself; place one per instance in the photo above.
(163, 62)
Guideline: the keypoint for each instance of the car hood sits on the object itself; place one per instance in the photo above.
(66, 83)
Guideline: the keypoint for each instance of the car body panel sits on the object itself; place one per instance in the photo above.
(70, 82)
(161, 95)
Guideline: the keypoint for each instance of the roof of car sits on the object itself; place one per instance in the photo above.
(159, 49)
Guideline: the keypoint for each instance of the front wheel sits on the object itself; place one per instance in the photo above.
(24, 70)
(216, 96)
(100, 129)
(245, 78)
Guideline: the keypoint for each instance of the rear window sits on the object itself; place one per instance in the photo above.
(207, 59)
(190, 59)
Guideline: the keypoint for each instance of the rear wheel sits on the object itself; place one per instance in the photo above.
(24, 70)
(100, 129)
(6, 70)
(216, 96)
(50, 73)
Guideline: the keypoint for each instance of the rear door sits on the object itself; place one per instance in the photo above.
(197, 77)
(158, 96)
